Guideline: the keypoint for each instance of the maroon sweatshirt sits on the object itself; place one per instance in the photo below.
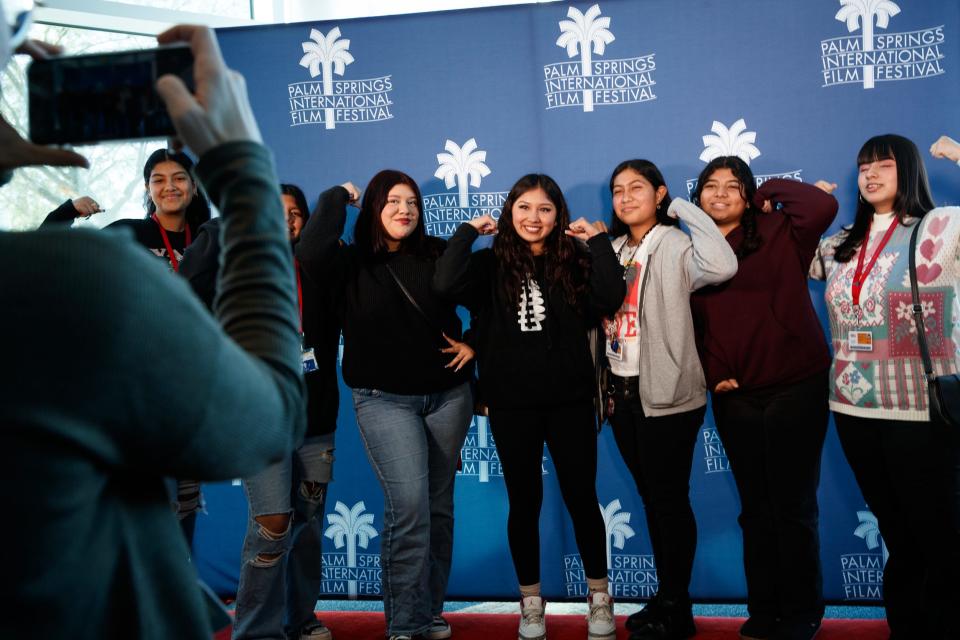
(760, 327)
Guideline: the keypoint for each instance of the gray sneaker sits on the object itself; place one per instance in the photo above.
(533, 626)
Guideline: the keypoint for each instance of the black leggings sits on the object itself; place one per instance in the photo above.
(571, 436)
(659, 453)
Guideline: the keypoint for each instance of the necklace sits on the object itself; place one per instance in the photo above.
(629, 261)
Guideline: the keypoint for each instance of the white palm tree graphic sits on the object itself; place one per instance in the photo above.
(350, 527)
(462, 166)
(329, 54)
(618, 526)
(855, 12)
(584, 32)
(730, 142)
(869, 532)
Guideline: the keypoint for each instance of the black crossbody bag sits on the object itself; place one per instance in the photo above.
(944, 391)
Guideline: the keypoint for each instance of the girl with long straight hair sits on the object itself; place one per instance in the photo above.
(765, 359)
(406, 366)
(536, 292)
(656, 384)
(902, 454)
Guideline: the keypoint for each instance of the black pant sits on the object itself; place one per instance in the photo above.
(571, 435)
(773, 438)
(906, 471)
(658, 452)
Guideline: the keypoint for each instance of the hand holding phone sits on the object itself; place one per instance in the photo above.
(219, 111)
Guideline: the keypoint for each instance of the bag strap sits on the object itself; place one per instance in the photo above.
(409, 296)
(918, 308)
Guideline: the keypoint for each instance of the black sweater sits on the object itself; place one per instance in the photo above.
(320, 328)
(539, 356)
(387, 344)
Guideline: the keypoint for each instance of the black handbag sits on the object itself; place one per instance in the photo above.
(601, 371)
(944, 391)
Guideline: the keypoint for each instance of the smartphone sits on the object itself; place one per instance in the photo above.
(105, 96)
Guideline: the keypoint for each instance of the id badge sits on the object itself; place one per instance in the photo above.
(860, 340)
(615, 349)
(309, 360)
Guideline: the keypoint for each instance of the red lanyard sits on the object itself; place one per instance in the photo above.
(166, 242)
(296, 269)
(861, 274)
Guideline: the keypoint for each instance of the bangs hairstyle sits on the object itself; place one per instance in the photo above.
(369, 235)
(198, 211)
(296, 193)
(566, 266)
(748, 188)
(652, 174)
(913, 196)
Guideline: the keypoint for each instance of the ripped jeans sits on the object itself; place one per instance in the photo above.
(281, 573)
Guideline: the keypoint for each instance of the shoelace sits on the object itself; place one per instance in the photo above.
(532, 615)
(601, 612)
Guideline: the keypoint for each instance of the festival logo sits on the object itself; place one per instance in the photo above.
(590, 82)
(460, 168)
(478, 457)
(714, 455)
(350, 573)
(862, 573)
(330, 101)
(735, 141)
(870, 58)
(630, 575)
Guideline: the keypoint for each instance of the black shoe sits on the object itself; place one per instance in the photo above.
(796, 630)
(759, 627)
(669, 620)
(648, 613)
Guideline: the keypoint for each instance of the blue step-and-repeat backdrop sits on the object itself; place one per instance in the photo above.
(468, 101)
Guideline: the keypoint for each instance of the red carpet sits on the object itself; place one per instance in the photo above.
(368, 625)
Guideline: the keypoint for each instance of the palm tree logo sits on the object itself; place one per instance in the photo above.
(350, 527)
(583, 33)
(327, 54)
(618, 527)
(735, 141)
(857, 12)
(462, 166)
(869, 532)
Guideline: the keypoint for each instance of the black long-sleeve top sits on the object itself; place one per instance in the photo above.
(531, 355)
(387, 344)
(320, 327)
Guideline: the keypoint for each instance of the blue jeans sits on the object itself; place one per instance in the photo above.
(281, 574)
(413, 443)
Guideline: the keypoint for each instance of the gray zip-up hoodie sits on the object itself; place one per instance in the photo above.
(671, 377)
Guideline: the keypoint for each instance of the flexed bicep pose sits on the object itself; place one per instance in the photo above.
(765, 359)
(411, 393)
(656, 382)
(537, 291)
(901, 453)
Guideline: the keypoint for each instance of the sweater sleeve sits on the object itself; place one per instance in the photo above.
(711, 259)
(201, 261)
(459, 275)
(809, 210)
(254, 410)
(64, 214)
(607, 286)
(318, 248)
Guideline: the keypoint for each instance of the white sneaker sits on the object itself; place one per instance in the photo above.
(532, 624)
(600, 621)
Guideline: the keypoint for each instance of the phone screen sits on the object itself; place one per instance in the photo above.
(112, 96)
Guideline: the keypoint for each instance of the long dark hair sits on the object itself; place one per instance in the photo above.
(198, 211)
(748, 188)
(913, 189)
(565, 265)
(652, 174)
(369, 235)
(296, 193)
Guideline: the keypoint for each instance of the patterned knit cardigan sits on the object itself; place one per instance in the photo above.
(888, 382)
